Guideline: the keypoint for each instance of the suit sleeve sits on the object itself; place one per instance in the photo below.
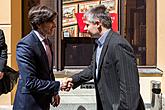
(27, 68)
(3, 51)
(83, 76)
(128, 76)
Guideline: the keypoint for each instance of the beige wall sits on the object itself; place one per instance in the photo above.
(161, 38)
(10, 23)
(5, 12)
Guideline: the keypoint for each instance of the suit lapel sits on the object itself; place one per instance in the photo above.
(94, 64)
(41, 49)
(104, 49)
(43, 53)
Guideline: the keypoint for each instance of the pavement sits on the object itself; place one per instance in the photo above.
(78, 99)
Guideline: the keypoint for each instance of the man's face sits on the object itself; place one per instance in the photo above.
(91, 28)
(47, 28)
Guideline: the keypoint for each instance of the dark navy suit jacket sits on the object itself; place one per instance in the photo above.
(37, 84)
(117, 86)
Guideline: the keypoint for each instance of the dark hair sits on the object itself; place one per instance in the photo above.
(99, 13)
(40, 14)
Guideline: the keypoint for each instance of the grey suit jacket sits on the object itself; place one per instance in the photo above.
(36, 85)
(117, 86)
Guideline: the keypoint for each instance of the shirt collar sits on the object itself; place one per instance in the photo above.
(41, 37)
(101, 40)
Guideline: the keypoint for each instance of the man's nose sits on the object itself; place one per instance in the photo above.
(54, 25)
(85, 28)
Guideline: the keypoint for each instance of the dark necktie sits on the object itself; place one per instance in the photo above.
(48, 52)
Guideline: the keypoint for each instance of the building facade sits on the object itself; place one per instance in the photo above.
(139, 21)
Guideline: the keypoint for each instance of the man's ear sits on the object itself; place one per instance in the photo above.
(98, 24)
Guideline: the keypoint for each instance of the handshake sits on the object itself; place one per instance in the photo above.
(66, 84)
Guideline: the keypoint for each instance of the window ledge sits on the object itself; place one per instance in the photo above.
(144, 71)
(149, 71)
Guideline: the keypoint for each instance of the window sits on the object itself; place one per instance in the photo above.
(78, 45)
(140, 29)
(135, 20)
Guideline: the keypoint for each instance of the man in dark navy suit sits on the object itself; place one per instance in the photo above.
(113, 66)
(37, 86)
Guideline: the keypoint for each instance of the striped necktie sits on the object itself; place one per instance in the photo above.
(48, 52)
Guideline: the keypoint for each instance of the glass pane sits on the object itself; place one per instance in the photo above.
(78, 51)
(137, 20)
(78, 45)
(73, 10)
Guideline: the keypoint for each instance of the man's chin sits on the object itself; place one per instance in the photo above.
(50, 35)
(95, 36)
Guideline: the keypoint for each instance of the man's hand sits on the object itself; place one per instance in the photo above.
(55, 100)
(1, 75)
(66, 84)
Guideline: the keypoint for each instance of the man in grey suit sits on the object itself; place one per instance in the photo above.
(3, 58)
(37, 86)
(113, 66)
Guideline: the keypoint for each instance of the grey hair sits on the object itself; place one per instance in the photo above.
(99, 13)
